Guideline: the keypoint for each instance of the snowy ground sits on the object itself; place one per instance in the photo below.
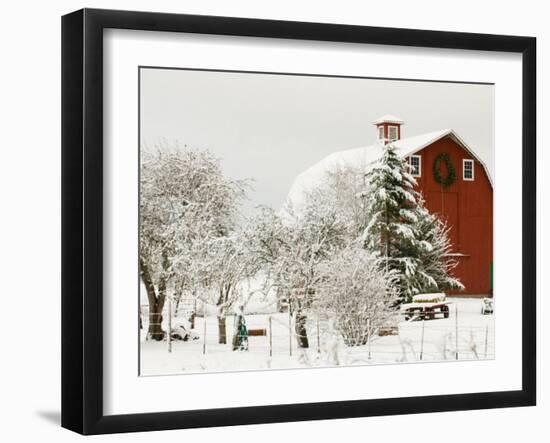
(475, 340)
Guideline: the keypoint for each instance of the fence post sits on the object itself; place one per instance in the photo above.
(486, 338)
(270, 337)
(456, 330)
(204, 333)
(368, 337)
(169, 324)
(289, 330)
(318, 337)
(422, 340)
(194, 311)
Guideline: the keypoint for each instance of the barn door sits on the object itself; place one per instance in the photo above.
(445, 205)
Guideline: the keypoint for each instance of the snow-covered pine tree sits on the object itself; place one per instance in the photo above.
(392, 232)
(436, 265)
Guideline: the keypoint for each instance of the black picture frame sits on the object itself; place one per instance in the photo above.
(82, 220)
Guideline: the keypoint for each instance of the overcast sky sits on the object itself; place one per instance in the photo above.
(272, 127)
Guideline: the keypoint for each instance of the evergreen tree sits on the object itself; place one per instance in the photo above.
(406, 238)
(392, 232)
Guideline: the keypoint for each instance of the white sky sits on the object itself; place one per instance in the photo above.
(272, 127)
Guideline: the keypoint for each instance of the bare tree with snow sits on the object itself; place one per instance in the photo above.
(342, 188)
(312, 237)
(185, 203)
(231, 263)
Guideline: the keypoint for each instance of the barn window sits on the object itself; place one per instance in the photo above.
(416, 165)
(468, 169)
(381, 132)
(392, 133)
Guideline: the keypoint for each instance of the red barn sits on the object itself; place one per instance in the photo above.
(466, 203)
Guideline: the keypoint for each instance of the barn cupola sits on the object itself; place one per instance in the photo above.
(388, 128)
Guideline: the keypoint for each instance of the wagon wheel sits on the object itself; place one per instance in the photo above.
(429, 314)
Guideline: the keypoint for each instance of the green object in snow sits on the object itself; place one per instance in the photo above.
(240, 339)
(491, 277)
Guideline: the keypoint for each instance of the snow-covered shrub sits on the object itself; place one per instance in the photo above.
(181, 330)
(357, 294)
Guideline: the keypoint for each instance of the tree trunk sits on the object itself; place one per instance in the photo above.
(155, 323)
(300, 329)
(225, 289)
(155, 303)
(222, 331)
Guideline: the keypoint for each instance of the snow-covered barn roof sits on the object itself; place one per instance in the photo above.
(365, 157)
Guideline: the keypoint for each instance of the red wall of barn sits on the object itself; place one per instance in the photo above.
(467, 206)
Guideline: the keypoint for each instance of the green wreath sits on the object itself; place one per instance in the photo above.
(451, 177)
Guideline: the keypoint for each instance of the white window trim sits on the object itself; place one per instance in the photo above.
(396, 132)
(464, 161)
(419, 157)
(381, 128)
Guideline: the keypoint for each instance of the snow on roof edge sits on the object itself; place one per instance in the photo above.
(460, 141)
(388, 118)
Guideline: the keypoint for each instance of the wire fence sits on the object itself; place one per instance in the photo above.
(275, 335)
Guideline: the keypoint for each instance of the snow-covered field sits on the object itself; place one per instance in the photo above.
(475, 341)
